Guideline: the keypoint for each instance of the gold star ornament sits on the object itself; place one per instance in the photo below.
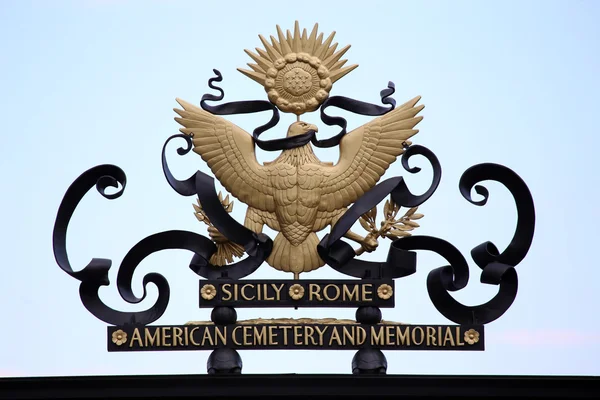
(298, 70)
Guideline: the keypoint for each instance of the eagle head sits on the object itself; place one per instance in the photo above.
(299, 128)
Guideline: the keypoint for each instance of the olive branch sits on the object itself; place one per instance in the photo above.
(227, 249)
(391, 228)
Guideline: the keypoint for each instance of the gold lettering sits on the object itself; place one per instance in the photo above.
(350, 295)
(272, 336)
(421, 337)
(233, 335)
(260, 337)
(185, 335)
(389, 336)
(459, 341)
(177, 339)
(221, 335)
(321, 333)
(337, 292)
(431, 339)
(361, 335)
(308, 333)
(225, 289)
(207, 336)
(155, 338)
(192, 336)
(297, 335)
(247, 333)
(402, 337)
(267, 292)
(314, 289)
(235, 292)
(366, 292)
(136, 336)
(348, 335)
(166, 336)
(285, 334)
(244, 292)
(377, 338)
(448, 337)
(335, 336)
(277, 290)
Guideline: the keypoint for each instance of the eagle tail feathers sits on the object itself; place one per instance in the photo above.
(297, 259)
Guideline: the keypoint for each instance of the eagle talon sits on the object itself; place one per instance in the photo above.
(216, 236)
(370, 243)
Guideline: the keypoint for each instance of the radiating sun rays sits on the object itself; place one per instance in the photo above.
(298, 70)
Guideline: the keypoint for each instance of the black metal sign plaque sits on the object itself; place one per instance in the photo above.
(281, 336)
(294, 293)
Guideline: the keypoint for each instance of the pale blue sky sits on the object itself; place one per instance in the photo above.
(94, 81)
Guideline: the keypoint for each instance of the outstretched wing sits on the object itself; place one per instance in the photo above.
(365, 155)
(229, 152)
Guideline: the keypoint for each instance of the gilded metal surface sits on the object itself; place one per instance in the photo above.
(391, 227)
(208, 292)
(385, 291)
(297, 194)
(226, 250)
(471, 336)
(297, 70)
(296, 292)
(119, 337)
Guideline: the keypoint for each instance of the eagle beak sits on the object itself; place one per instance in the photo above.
(313, 128)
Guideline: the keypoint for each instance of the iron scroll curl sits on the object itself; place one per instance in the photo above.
(498, 268)
(95, 273)
(354, 106)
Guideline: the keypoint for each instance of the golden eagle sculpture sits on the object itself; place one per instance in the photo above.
(298, 195)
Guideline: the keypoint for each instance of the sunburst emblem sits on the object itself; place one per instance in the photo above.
(297, 71)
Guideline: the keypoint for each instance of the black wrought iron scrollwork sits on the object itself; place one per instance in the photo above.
(257, 245)
(354, 106)
(248, 107)
(497, 268)
(254, 106)
(341, 256)
(95, 274)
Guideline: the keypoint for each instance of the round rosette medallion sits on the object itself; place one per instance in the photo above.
(298, 70)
